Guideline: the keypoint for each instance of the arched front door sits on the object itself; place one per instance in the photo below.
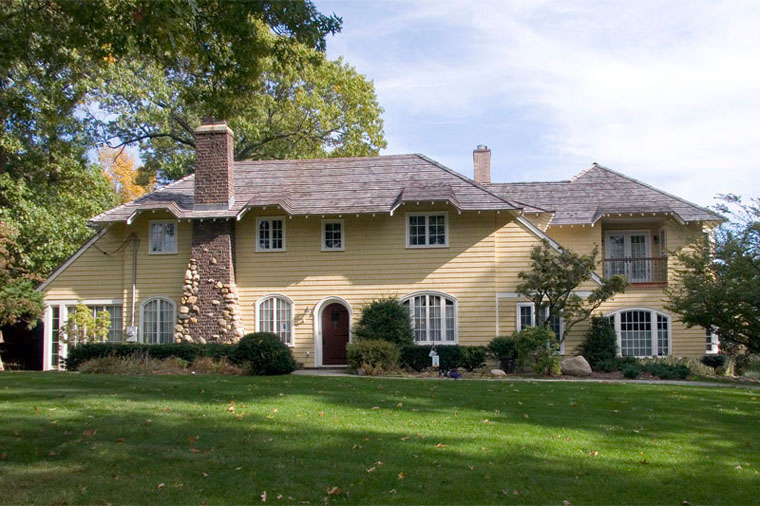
(334, 334)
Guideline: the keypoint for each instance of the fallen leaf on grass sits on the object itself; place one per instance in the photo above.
(263, 496)
(471, 468)
(402, 475)
(192, 439)
(565, 503)
(441, 445)
(371, 469)
(231, 407)
(120, 440)
(89, 432)
(594, 453)
(515, 492)
(406, 438)
(525, 415)
(321, 413)
(392, 491)
(644, 462)
(334, 491)
(205, 475)
(160, 486)
(194, 450)
(51, 453)
(400, 405)
(274, 410)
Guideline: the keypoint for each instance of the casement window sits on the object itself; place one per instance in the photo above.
(642, 332)
(711, 341)
(434, 317)
(163, 237)
(526, 317)
(427, 230)
(275, 314)
(158, 317)
(333, 236)
(270, 234)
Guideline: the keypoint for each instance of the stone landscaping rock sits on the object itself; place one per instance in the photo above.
(575, 366)
(497, 372)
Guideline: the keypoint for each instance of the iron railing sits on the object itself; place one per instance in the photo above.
(638, 270)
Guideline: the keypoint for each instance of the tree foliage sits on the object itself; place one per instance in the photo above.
(83, 326)
(719, 281)
(118, 165)
(553, 279)
(143, 72)
(385, 319)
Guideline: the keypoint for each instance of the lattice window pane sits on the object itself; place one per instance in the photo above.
(434, 317)
(437, 230)
(417, 230)
(663, 339)
(450, 321)
(264, 242)
(636, 333)
(526, 316)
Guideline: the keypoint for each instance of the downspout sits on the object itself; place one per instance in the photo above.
(135, 244)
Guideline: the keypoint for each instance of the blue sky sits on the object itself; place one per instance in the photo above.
(667, 92)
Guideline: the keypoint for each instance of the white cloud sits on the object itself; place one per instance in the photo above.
(668, 92)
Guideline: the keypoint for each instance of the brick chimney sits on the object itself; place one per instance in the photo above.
(481, 159)
(214, 166)
(210, 308)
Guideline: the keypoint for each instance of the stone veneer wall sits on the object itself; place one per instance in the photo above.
(210, 310)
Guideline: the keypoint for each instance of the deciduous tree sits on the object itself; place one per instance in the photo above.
(119, 167)
(553, 279)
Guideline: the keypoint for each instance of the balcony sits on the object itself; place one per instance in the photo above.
(639, 271)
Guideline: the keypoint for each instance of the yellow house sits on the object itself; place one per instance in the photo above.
(297, 247)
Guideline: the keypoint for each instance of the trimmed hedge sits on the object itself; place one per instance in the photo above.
(79, 354)
(373, 355)
(263, 353)
(504, 349)
(450, 357)
(385, 320)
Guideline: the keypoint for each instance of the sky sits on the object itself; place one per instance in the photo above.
(664, 91)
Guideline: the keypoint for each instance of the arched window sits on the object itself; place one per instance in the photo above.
(275, 314)
(434, 317)
(157, 317)
(642, 332)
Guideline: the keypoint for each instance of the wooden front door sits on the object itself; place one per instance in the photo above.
(334, 334)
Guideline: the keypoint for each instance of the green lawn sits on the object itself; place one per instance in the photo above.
(69, 439)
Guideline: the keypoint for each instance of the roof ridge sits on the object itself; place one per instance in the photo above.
(642, 183)
(466, 179)
(326, 158)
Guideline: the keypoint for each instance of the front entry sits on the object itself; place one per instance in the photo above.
(334, 334)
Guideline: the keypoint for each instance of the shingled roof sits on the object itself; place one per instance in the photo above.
(325, 186)
(596, 192)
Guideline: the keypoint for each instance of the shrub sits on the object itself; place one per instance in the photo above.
(135, 364)
(601, 342)
(450, 357)
(262, 353)
(387, 320)
(714, 361)
(503, 349)
(667, 371)
(188, 352)
(607, 366)
(473, 357)
(630, 370)
(536, 347)
(374, 356)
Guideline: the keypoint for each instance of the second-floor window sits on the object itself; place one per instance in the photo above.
(163, 237)
(270, 234)
(427, 230)
(332, 235)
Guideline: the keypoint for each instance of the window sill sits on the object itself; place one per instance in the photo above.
(162, 253)
(271, 250)
(434, 246)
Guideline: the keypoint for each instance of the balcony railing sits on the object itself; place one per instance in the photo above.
(638, 270)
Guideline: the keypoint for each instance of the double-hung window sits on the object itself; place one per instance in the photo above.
(163, 237)
(427, 230)
(270, 234)
(434, 318)
(333, 237)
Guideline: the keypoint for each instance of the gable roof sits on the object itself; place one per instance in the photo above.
(325, 186)
(598, 191)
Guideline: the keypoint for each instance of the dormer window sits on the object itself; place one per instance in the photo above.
(163, 237)
(427, 230)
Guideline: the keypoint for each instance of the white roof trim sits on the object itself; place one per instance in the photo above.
(551, 242)
(72, 258)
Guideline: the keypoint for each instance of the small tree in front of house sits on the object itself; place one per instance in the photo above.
(553, 279)
(82, 326)
(385, 319)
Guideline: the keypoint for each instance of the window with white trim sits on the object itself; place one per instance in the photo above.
(434, 318)
(332, 235)
(526, 317)
(711, 341)
(427, 230)
(157, 319)
(642, 332)
(270, 234)
(163, 237)
(275, 314)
